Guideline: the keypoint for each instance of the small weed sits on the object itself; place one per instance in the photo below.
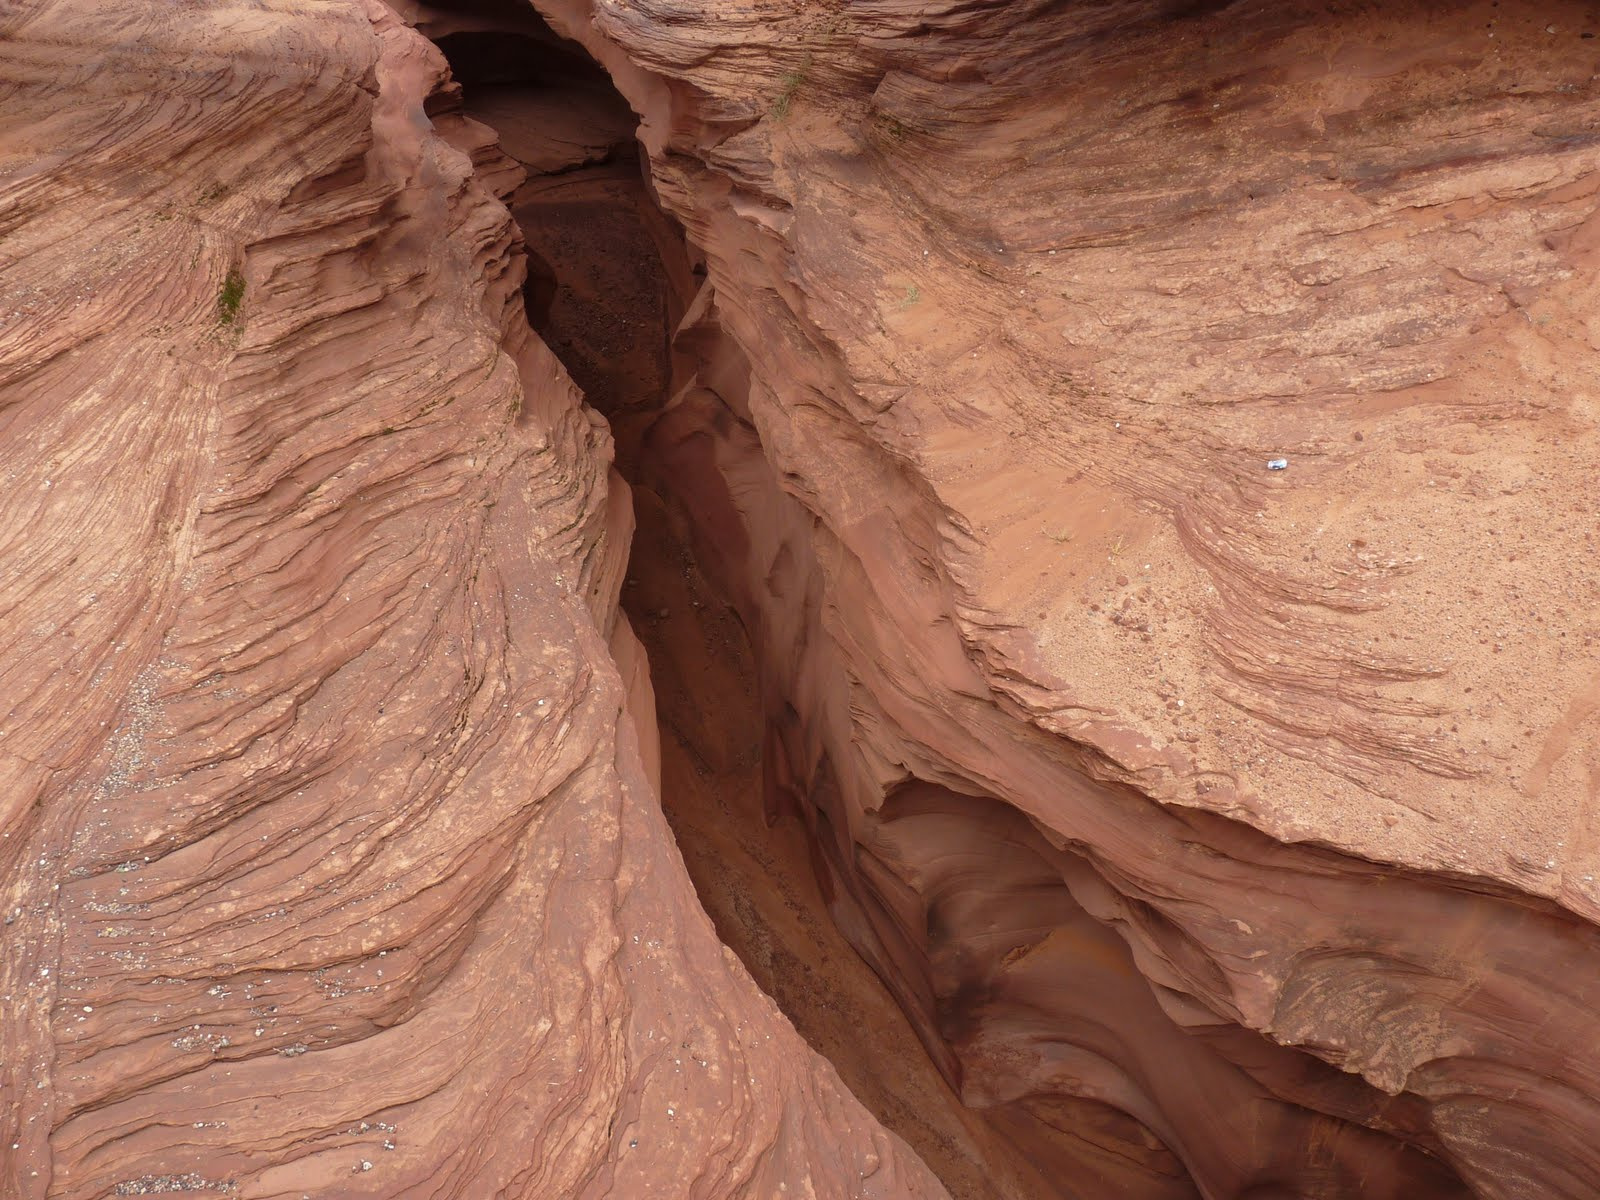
(912, 296)
(230, 297)
(214, 193)
(1117, 548)
(791, 83)
(1059, 535)
(891, 129)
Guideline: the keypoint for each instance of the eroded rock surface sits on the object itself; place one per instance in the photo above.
(1222, 830)
(329, 849)
(1219, 831)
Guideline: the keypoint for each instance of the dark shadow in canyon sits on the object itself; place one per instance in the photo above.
(610, 277)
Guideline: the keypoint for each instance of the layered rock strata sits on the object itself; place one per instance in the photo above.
(330, 857)
(1223, 830)
(615, 276)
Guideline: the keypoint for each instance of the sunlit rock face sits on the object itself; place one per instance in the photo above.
(1223, 828)
(330, 856)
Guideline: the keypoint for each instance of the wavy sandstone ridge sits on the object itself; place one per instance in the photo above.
(329, 850)
(1223, 831)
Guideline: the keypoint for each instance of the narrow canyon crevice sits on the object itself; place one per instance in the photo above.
(610, 277)
(1024, 1013)
(1112, 496)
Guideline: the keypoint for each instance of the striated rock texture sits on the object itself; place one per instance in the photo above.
(330, 858)
(1223, 831)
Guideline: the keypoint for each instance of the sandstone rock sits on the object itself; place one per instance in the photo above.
(1218, 828)
(1220, 832)
(329, 850)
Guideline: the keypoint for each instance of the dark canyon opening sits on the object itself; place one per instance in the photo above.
(610, 278)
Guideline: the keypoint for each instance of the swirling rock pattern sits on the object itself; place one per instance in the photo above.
(1223, 830)
(329, 851)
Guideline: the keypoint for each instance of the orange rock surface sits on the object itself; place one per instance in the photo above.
(331, 860)
(1223, 830)
(1219, 830)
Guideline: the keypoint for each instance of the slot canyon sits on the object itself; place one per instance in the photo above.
(842, 598)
